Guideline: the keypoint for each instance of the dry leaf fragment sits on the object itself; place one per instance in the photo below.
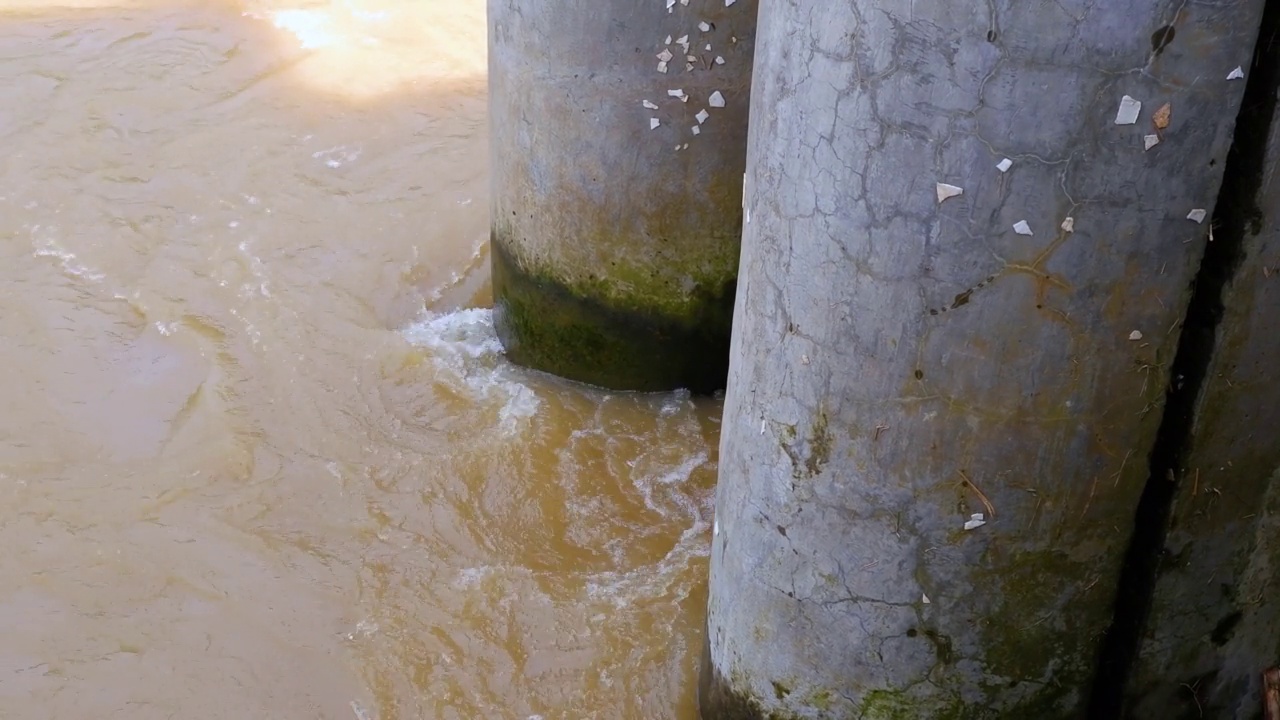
(1161, 117)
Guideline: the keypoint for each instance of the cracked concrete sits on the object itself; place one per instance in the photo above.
(1026, 401)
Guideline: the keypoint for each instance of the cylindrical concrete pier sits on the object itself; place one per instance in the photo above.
(970, 237)
(618, 147)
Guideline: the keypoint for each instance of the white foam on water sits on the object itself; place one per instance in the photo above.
(363, 629)
(468, 354)
(651, 581)
(659, 481)
(258, 270)
(49, 247)
(361, 713)
(337, 156)
(676, 402)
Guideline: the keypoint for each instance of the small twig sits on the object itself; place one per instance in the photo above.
(879, 429)
(991, 510)
(1195, 699)
(1089, 500)
(1121, 470)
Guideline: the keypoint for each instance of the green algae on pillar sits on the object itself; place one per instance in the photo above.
(618, 147)
(969, 239)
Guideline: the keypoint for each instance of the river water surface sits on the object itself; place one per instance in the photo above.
(260, 454)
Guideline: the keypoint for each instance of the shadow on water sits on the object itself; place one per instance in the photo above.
(246, 473)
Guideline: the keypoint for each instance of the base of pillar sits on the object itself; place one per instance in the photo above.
(718, 701)
(545, 325)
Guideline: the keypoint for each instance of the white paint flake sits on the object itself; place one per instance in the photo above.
(1196, 215)
(650, 106)
(727, 3)
(684, 2)
(703, 26)
(974, 522)
(1022, 228)
(670, 4)
(1004, 165)
(1068, 225)
(667, 41)
(1150, 141)
(654, 123)
(716, 100)
(682, 40)
(1135, 335)
(690, 58)
(1128, 112)
(946, 191)
(665, 55)
(688, 67)
(925, 599)
(715, 527)
(719, 60)
(1237, 74)
(708, 47)
(677, 93)
(695, 130)
(662, 67)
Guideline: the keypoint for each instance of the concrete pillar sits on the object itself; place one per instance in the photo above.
(1214, 622)
(964, 264)
(618, 146)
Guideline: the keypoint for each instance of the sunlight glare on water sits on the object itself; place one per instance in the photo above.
(261, 454)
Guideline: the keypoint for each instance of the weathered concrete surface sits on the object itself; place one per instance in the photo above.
(1214, 622)
(899, 364)
(615, 245)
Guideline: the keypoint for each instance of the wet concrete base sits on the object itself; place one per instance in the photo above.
(546, 325)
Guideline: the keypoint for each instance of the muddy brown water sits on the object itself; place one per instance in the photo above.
(260, 455)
